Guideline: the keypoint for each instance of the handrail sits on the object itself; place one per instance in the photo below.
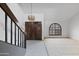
(7, 10)
(21, 39)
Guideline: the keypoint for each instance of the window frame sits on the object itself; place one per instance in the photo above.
(55, 29)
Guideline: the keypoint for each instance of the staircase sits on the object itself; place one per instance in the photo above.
(15, 44)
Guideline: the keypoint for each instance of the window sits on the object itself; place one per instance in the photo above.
(55, 29)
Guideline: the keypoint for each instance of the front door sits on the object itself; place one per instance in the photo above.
(34, 30)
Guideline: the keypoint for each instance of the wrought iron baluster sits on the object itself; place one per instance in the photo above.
(5, 28)
(11, 32)
(18, 36)
(15, 34)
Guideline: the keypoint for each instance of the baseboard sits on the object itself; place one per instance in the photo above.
(55, 37)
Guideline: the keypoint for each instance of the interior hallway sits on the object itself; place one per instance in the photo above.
(53, 47)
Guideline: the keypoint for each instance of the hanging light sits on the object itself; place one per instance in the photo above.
(31, 17)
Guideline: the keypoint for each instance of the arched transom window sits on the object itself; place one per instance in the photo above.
(55, 29)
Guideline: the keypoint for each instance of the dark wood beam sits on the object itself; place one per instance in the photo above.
(8, 11)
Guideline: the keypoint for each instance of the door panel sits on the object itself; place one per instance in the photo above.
(34, 30)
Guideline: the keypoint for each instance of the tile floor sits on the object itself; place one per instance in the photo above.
(35, 48)
(53, 47)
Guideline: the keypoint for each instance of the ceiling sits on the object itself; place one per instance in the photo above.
(52, 10)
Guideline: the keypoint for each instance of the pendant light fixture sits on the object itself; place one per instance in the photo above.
(31, 17)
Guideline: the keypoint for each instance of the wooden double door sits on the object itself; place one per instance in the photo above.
(33, 30)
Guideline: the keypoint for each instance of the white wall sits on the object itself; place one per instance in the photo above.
(49, 16)
(46, 23)
(53, 13)
(2, 25)
(18, 13)
(63, 23)
(74, 27)
(47, 13)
